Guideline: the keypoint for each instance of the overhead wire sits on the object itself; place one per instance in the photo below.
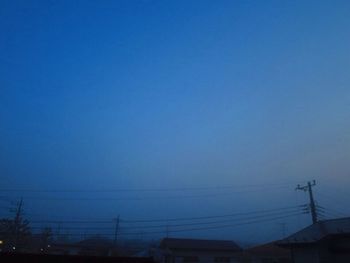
(209, 217)
(192, 229)
(129, 221)
(193, 223)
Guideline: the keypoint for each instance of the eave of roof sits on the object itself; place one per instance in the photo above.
(317, 232)
(199, 244)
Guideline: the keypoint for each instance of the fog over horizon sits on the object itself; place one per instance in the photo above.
(159, 110)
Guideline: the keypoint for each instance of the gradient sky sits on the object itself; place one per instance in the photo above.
(173, 94)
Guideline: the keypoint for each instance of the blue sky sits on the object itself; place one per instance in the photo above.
(162, 94)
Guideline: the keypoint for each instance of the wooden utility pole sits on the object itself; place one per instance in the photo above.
(308, 188)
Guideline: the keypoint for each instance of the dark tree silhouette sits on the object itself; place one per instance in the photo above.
(15, 233)
(45, 239)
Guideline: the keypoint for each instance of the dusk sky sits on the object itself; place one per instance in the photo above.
(155, 109)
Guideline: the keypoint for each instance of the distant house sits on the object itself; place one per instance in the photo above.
(95, 246)
(176, 250)
(324, 241)
(63, 249)
(268, 253)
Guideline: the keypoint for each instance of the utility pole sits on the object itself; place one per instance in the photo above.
(17, 222)
(308, 188)
(116, 231)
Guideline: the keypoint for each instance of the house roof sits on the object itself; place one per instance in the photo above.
(95, 242)
(199, 244)
(318, 231)
(269, 249)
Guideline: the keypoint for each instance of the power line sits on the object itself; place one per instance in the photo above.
(196, 229)
(332, 201)
(232, 225)
(334, 204)
(216, 222)
(209, 217)
(335, 213)
(126, 221)
(188, 224)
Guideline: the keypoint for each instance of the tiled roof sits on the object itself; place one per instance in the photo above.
(199, 244)
(318, 231)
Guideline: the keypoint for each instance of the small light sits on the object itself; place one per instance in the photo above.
(48, 245)
(42, 249)
(1, 242)
(14, 248)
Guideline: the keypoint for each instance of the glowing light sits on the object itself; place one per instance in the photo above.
(1, 242)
